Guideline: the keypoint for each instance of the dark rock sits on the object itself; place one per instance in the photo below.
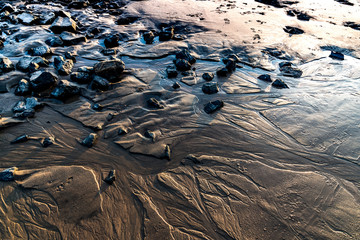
(89, 70)
(81, 77)
(274, 3)
(110, 179)
(46, 142)
(277, 53)
(154, 103)
(26, 18)
(47, 18)
(293, 30)
(171, 72)
(122, 131)
(78, 4)
(278, 83)
(39, 51)
(182, 65)
(150, 134)
(23, 88)
(27, 113)
(167, 153)
(166, 34)
(110, 69)
(337, 55)
(185, 54)
(148, 37)
(28, 103)
(222, 71)
(72, 39)
(210, 88)
(176, 85)
(287, 70)
(62, 24)
(345, 2)
(41, 81)
(7, 7)
(300, 15)
(97, 107)
(265, 78)
(24, 64)
(8, 174)
(1, 44)
(90, 140)
(20, 139)
(33, 67)
(6, 65)
(64, 90)
(54, 41)
(112, 41)
(352, 25)
(99, 83)
(230, 65)
(69, 55)
(63, 66)
(126, 20)
(213, 106)
(208, 76)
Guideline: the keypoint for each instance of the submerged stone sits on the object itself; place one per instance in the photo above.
(213, 106)
(90, 140)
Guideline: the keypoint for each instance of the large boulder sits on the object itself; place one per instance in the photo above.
(41, 81)
(110, 69)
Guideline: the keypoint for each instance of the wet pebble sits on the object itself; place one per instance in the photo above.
(208, 76)
(90, 140)
(21, 139)
(97, 107)
(69, 38)
(6, 65)
(110, 179)
(265, 77)
(112, 41)
(62, 24)
(182, 65)
(28, 103)
(210, 88)
(293, 30)
(154, 103)
(337, 55)
(23, 88)
(65, 90)
(46, 142)
(8, 174)
(171, 72)
(41, 81)
(99, 83)
(213, 106)
(278, 83)
(39, 51)
(25, 63)
(54, 41)
(110, 69)
(176, 85)
(149, 37)
(63, 66)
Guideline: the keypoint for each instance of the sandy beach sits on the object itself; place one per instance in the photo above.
(180, 119)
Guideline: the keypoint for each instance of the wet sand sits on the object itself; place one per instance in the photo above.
(270, 164)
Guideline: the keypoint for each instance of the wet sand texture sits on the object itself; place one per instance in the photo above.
(180, 119)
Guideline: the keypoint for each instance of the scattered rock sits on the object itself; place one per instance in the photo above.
(213, 106)
(112, 41)
(26, 18)
(7, 7)
(148, 37)
(278, 83)
(265, 78)
(171, 72)
(8, 174)
(110, 69)
(46, 142)
(62, 24)
(166, 34)
(352, 25)
(287, 70)
(69, 38)
(222, 71)
(154, 103)
(27, 113)
(71, 56)
(337, 55)
(182, 65)
(126, 20)
(149, 134)
(20, 139)
(210, 88)
(176, 85)
(293, 30)
(63, 66)
(41, 81)
(39, 51)
(6, 65)
(122, 131)
(28, 103)
(97, 107)
(90, 140)
(65, 90)
(185, 54)
(167, 153)
(46, 18)
(81, 77)
(110, 179)
(26, 64)
(54, 41)
(208, 76)
(99, 83)
(23, 88)
(274, 3)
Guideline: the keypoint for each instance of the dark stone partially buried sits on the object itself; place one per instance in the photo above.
(278, 83)
(54, 41)
(6, 65)
(210, 88)
(69, 38)
(23, 88)
(39, 51)
(99, 83)
(62, 24)
(154, 103)
(265, 78)
(90, 140)
(291, 71)
(20, 139)
(110, 69)
(126, 20)
(208, 76)
(46, 142)
(28, 103)
(171, 72)
(112, 41)
(293, 30)
(110, 179)
(41, 81)
(149, 37)
(185, 54)
(63, 66)
(65, 90)
(81, 77)
(8, 174)
(26, 63)
(166, 34)
(213, 106)
(337, 55)
(182, 65)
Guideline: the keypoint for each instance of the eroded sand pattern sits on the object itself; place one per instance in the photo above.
(222, 119)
